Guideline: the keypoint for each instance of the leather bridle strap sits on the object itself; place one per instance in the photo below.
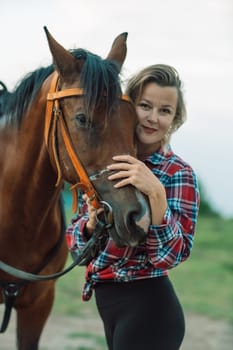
(84, 183)
(54, 115)
(52, 96)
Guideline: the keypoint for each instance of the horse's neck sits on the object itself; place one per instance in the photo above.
(27, 177)
(29, 206)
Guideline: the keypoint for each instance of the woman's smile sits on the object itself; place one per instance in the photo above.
(148, 130)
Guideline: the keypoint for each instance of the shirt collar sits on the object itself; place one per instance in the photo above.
(160, 156)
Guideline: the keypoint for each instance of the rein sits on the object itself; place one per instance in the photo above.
(83, 258)
(54, 116)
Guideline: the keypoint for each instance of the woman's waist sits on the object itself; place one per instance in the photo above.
(123, 273)
(118, 275)
(117, 292)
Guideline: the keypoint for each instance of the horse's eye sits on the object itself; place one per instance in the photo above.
(82, 120)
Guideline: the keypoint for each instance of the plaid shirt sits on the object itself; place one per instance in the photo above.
(166, 245)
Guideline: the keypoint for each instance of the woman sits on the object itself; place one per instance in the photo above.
(136, 301)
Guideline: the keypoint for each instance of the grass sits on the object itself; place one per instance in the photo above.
(96, 339)
(69, 295)
(204, 282)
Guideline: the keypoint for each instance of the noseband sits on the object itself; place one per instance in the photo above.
(52, 118)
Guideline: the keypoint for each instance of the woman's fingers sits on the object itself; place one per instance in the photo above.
(125, 158)
(119, 175)
(92, 210)
(93, 215)
(119, 166)
(131, 171)
(123, 164)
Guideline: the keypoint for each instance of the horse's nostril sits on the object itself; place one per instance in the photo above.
(142, 216)
(142, 221)
(138, 221)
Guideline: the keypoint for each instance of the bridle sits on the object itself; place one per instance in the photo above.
(53, 117)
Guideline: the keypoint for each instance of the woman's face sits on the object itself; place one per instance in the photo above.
(156, 109)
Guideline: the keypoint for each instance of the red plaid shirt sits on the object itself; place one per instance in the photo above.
(166, 245)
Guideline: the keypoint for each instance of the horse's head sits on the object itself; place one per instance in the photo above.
(99, 123)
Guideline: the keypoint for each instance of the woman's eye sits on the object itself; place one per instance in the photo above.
(165, 111)
(144, 106)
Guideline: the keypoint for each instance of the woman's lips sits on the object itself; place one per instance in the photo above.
(148, 130)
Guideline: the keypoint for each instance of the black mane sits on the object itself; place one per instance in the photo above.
(16, 102)
(98, 78)
(3, 96)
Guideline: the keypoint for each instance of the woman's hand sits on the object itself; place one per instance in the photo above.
(93, 213)
(131, 171)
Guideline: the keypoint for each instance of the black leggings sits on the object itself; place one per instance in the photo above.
(141, 315)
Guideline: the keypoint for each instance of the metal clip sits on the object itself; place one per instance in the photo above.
(11, 290)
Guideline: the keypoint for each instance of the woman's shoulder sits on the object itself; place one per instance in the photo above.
(169, 162)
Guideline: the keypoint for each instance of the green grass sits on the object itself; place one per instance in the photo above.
(97, 340)
(204, 282)
(69, 295)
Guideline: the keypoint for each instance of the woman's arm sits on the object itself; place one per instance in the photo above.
(171, 242)
(131, 171)
(174, 208)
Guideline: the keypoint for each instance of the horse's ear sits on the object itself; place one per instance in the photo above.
(119, 49)
(64, 62)
(3, 87)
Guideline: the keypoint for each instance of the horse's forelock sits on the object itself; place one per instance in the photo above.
(98, 78)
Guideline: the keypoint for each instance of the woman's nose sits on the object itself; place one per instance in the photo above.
(153, 115)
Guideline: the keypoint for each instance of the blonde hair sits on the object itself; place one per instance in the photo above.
(162, 75)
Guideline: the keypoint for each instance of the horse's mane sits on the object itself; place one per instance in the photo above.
(3, 95)
(98, 78)
(15, 103)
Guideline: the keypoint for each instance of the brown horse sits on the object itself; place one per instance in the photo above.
(84, 102)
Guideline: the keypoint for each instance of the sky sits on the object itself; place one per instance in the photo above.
(194, 36)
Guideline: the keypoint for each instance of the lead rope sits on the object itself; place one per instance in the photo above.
(83, 258)
(10, 292)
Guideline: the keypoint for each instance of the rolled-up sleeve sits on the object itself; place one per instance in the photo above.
(171, 242)
(75, 236)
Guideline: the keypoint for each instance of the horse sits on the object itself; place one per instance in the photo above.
(62, 123)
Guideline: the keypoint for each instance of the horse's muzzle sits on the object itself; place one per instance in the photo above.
(131, 223)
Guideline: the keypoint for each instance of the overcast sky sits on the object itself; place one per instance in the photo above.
(195, 36)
